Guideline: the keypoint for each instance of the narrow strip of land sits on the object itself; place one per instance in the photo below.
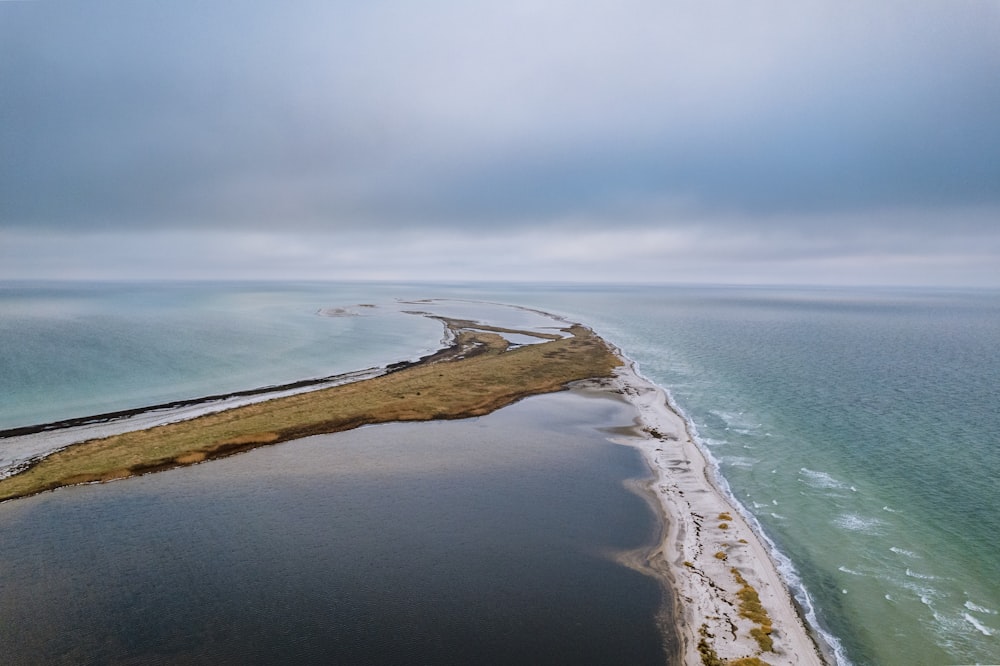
(733, 608)
(478, 373)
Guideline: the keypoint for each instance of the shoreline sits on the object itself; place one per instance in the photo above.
(478, 372)
(222, 400)
(731, 604)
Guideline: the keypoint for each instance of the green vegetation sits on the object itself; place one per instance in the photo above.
(476, 375)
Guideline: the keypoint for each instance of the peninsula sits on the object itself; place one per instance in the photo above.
(731, 606)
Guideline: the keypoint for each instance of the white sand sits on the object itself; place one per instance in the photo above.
(708, 607)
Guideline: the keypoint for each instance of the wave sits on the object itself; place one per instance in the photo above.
(903, 551)
(982, 628)
(821, 480)
(858, 523)
(786, 568)
(919, 576)
(979, 609)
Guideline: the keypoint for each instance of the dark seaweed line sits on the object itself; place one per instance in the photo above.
(107, 417)
(450, 349)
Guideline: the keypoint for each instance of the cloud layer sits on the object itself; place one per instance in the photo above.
(831, 139)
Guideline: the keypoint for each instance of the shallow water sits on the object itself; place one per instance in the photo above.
(76, 349)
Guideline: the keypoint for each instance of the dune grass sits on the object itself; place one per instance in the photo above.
(476, 375)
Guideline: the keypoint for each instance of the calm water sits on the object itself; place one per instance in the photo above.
(69, 350)
(859, 427)
(487, 541)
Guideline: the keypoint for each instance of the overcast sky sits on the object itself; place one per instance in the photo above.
(843, 142)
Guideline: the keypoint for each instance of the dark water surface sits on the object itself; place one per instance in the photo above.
(488, 540)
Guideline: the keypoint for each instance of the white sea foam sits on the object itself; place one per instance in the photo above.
(850, 571)
(919, 576)
(923, 592)
(903, 551)
(890, 510)
(983, 629)
(858, 523)
(786, 569)
(979, 609)
(821, 480)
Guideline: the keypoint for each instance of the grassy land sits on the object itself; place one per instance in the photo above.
(477, 375)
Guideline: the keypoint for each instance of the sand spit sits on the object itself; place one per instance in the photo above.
(732, 604)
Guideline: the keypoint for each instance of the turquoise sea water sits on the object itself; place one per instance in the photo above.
(860, 428)
(72, 350)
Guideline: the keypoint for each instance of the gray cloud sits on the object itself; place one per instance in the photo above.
(823, 121)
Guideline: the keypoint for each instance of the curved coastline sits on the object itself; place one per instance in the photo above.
(711, 554)
(714, 559)
(830, 647)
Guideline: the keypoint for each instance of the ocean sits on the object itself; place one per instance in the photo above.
(857, 428)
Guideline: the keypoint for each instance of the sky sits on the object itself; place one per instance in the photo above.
(657, 141)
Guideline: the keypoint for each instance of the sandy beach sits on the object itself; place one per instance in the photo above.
(732, 605)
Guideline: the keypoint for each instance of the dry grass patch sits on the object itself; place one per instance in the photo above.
(753, 610)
